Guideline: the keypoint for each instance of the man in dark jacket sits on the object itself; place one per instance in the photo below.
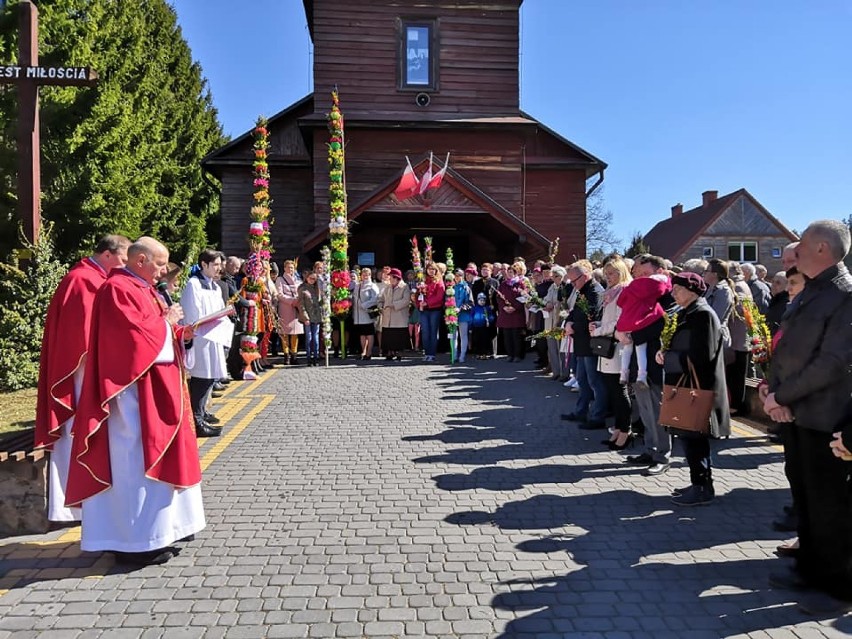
(809, 390)
(778, 302)
(657, 440)
(592, 402)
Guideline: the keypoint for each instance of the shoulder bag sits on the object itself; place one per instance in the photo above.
(687, 408)
(603, 346)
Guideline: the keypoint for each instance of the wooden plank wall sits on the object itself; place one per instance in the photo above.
(489, 159)
(478, 55)
(291, 210)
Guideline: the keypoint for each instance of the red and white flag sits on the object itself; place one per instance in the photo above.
(409, 185)
(436, 180)
(427, 177)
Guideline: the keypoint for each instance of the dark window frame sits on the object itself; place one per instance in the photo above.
(432, 25)
(741, 245)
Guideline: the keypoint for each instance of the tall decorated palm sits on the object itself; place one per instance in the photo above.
(338, 227)
(256, 316)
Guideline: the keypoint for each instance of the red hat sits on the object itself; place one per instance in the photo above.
(395, 272)
(691, 281)
(471, 271)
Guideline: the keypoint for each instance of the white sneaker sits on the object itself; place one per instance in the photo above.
(568, 383)
(573, 383)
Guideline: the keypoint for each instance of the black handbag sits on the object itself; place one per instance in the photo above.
(603, 346)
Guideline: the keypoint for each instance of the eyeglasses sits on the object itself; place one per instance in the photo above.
(573, 280)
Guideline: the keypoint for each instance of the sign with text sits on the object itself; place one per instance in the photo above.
(71, 76)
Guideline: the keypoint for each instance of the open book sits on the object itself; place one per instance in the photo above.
(228, 311)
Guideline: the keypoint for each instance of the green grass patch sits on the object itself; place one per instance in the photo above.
(17, 410)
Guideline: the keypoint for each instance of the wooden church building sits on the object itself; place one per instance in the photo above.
(413, 78)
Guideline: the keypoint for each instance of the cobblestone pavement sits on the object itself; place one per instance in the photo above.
(409, 500)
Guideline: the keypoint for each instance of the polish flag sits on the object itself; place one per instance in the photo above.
(408, 186)
(427, 177)
(436, 180)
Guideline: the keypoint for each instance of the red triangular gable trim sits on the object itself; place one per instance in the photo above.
(452, 179)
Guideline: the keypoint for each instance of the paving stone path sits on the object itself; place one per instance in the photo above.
(411, 500)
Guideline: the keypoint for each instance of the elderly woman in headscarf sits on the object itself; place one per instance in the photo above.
(697, 341)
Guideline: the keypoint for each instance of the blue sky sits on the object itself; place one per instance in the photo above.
(677, 96)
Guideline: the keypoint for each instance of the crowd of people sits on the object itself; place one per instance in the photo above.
(618, 333)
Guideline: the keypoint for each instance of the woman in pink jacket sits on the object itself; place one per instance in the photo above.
(431, 301)
(289, 326)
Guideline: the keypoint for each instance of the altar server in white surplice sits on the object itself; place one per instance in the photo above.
(205, 360)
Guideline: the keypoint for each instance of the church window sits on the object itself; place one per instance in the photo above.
(417, 55)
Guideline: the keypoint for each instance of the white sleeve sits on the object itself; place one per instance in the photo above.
(190, 301)
(167, 353)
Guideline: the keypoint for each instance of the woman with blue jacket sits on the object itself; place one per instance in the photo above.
(464, 302)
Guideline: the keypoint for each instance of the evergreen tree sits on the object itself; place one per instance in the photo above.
(637, 246)
(123, 156)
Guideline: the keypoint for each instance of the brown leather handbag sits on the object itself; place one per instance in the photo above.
(687, 408)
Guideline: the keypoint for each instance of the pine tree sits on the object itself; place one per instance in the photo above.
(637, 246)
(123, 156)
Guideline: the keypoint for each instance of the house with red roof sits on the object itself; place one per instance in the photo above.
(732, 227)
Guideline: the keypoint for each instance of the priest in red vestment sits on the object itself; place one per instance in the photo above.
(134, 462)
(63, 354)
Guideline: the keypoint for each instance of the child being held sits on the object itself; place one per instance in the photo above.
(639, 309)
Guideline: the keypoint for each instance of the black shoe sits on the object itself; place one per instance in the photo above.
(677, 492)
(592, 426)
(210, 418)
(572, 417)
(150, 558)
(187, 539)
(218, 386)
(205, 430)
(225, 381)
(294, 361)
(823, 604)
(215, 395)
(784, 551)
(698, 496)
(658, 469)
(788, 579)
(640, 460)
(790, 523)
(628, 443)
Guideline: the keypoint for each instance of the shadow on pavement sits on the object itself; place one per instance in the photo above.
(642, 565)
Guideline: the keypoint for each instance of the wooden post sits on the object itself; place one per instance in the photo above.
(29, 149)
(28, 75)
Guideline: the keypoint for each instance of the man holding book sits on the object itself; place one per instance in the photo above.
(134, 461)
(205, 360)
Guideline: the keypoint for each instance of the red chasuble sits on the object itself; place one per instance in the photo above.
(128, 333)
(63, 347)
